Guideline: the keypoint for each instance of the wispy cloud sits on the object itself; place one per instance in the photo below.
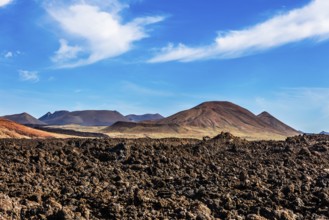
(9, 54)
(96, 31)
(30, 76)
(308, 22)
(5, 2)
(66, 52)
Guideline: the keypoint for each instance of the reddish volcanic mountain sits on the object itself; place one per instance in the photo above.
(213, 117)
(216, 115)
(228, 116)
(10, 129)
(275, 123)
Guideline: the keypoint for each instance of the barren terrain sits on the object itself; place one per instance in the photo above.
(10, 129)
(206, 119)
(220, 178)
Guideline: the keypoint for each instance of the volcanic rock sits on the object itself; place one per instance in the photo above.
(164, 178)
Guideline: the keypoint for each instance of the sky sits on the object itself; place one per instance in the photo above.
(164, 56)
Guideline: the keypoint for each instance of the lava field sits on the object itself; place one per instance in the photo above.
(220, 178)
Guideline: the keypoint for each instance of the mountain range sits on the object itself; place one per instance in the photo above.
(93, 118)
(85, 118)
(208, 118)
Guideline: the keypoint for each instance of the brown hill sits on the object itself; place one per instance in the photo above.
(25, 119)
(221, 115)
(145, 129)
(85, 118)
(211, 118)
(10, 129)
(275, 123)
(142, 127)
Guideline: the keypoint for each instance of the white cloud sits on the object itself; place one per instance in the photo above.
(9, 54)
(309, 22)
(97, 30)
(31, 76)
(66, 52)
(4, 2)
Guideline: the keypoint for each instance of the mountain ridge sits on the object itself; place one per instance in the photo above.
(84, 118)
(324, 132)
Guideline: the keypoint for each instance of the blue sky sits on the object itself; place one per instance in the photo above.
(148, 56)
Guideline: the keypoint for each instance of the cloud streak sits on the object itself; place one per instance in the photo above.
(96, 31)
(4, 2)
(9, 54)
(30, 76)
(308, 22)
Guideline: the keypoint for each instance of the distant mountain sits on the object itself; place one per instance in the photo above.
(85, 118)
(24, 119)
(145, 117)
(324, 132)
(275, 123)
(49, 116)
(10, 129)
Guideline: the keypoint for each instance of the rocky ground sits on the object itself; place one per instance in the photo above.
(220, 178)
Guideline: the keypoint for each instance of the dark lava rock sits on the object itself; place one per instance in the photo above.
(217, 178)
